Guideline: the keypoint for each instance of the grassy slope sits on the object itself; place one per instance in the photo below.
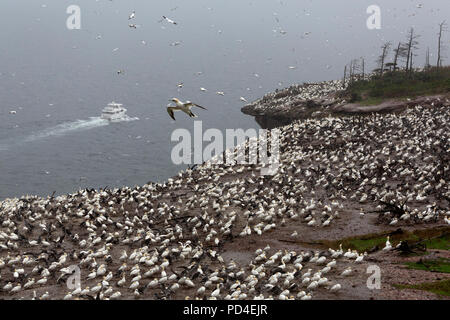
(438, 287)
(438, 265)
(432, 239)
(398, 85)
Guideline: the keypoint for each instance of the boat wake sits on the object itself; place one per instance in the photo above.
(65, 128)
(125, 118)
(68, 127)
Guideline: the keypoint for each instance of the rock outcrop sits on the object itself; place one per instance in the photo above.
(296, 102)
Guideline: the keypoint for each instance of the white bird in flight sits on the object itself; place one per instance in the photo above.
(169, 20)
(182, 106)
(132, 15)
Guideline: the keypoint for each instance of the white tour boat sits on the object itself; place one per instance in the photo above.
(113, 111)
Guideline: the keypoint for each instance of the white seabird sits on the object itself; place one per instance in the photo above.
(182, 106)
(169, 20)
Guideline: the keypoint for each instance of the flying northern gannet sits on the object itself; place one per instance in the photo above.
(131, 16)
(182, 106)
(169, 20)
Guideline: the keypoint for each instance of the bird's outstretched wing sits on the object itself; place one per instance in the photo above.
(188, 104)
(169, 20)
(170, 112)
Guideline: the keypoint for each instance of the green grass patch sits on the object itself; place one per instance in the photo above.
(399, 84)
(439, 265)
(440, 243)
(371, 101)
(441, 287)
(362, 245)
(434, 238)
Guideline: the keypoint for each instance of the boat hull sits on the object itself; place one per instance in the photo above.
(112, 117)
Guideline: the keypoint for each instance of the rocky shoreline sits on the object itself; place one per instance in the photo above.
(317, 100)
(299, 101)
(228, 232)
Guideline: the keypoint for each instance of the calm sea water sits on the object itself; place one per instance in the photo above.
(58, 80)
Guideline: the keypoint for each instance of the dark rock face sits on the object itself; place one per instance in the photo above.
(296, 102)
(271, 122)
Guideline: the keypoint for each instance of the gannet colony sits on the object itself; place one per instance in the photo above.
(296, 101)
(227, 232)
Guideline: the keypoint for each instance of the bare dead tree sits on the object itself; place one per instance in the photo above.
(409, 46)
(345, 73)
(427, 59)
(363, 65)
(382, 58)
(355, 68)
(442, 28)
(350, 70)
(398, 52)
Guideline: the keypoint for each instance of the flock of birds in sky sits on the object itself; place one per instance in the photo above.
(133, 15)
(185, 107)
(179, 105)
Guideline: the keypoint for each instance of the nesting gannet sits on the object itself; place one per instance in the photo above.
(388, 245)
(335, 288)
(182, 106)
(346, 272)
(360, 257)
(306, 297)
